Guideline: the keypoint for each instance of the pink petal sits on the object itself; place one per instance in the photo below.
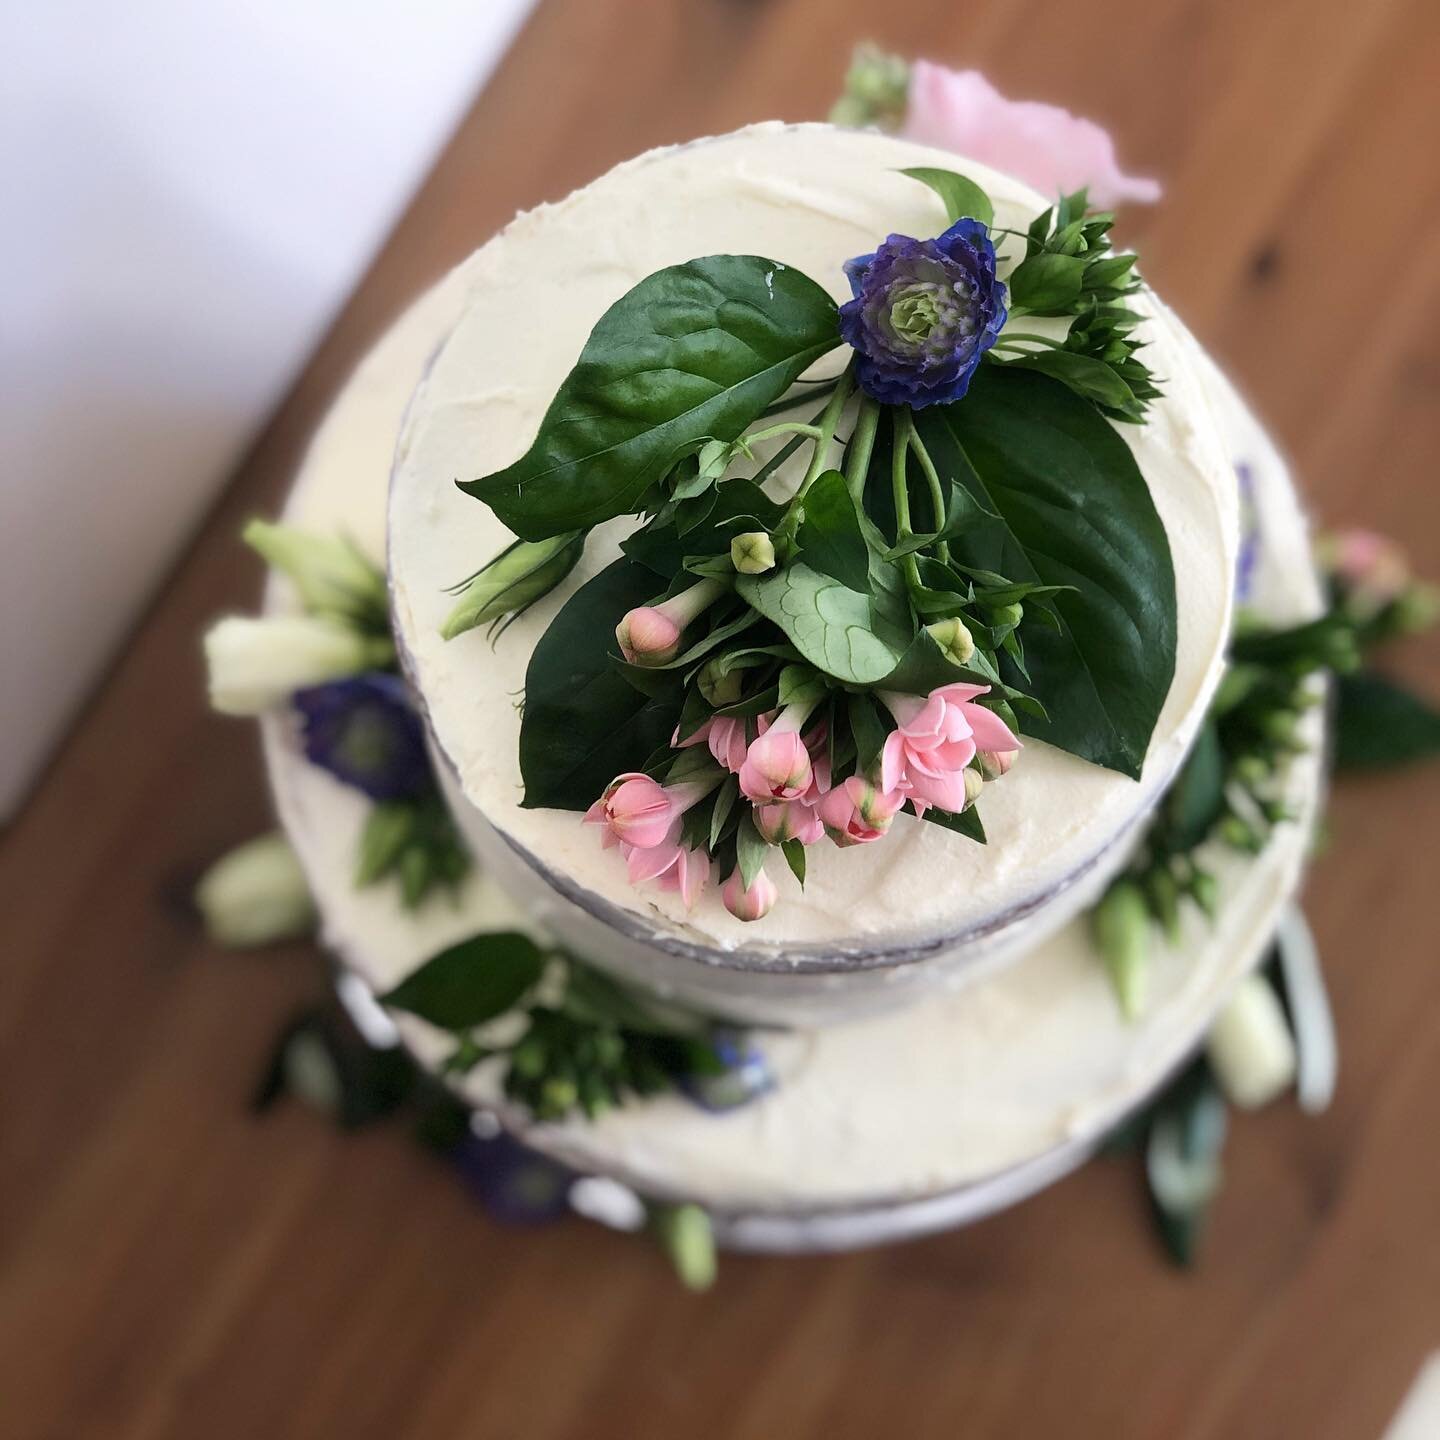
(1053, 150)
(990, 731)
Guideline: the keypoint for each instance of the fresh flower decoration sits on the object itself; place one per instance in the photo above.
(1226, 793)
(961, 110)
(777, 665)
(335, 667)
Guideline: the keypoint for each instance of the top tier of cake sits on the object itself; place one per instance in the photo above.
(811, 197)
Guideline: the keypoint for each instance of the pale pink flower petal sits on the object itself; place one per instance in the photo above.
(752, 904)
(1053, 150)
(777, 767)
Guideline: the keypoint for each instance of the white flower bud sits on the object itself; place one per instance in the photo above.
(1250, 1046)
(255, 664)
(255, 894)
(752, 553)
(330, 573)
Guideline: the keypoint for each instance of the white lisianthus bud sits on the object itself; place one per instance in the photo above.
(255, 894)
(1121, 927)
(752, 553)
(255, 664)
(685, 1234)
(954, 638)
(1250, 1046)
(330, 573)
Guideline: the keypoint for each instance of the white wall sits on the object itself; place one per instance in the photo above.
(189, 189)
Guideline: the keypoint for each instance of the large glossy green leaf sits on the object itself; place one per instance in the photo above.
(471, 982)
(693, 352)
(584, 723)
(1073, 510)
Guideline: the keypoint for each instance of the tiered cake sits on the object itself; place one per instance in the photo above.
(945, 1040)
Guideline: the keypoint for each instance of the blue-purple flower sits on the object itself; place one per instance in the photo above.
(364, 731)
(924, 313)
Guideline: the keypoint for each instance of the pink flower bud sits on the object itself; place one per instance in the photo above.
(788, 820)
(856, 813)
(635, 810)
(648, 636)
(995, 763)
(777, 767)
(752, 904)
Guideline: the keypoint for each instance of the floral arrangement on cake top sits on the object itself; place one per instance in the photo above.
(969, 555)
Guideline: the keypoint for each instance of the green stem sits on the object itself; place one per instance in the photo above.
(937, 490)
(828, 421)
(862, 445)
(899, 453)
(812, 432)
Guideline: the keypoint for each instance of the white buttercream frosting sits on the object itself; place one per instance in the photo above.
(808, 196)
(917, 1109)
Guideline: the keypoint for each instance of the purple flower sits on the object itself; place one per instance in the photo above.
(516, 1185)
(364, 731)
(745, 1074)
(1249, 556)
(924, 313)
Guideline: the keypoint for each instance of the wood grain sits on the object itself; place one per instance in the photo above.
(172, 1267)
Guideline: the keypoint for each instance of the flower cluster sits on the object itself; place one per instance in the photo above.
(778, 766)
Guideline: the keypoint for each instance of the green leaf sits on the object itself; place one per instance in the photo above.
(869, 727)
(1075, 511)
(925, 667)
(1379, 724)
(694, 352)
(966, 823)
(750, 850)
(1089, 378)
(831, 625)
(471, 982)
(725, 798)
(1047, 284)
(830, 536)
(664, 544)
(1197, 798)
(794, 853)
(962, 197)
(584, 723)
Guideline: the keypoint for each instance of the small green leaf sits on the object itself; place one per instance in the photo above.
(694, 352)
(750, 850)
(1197, 798)
(961, 197)
(868, 727)
(830, 536)
(471, 982)
(1047, 284)
(1381, 725)
(966, 822)
(725, 799)
(794, 853)
(1089, 378)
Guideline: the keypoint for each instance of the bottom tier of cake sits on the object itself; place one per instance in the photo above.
(876, 1130)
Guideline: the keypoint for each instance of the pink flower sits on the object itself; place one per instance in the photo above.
(1370, 565)
(856, 812)
(639, 811)
(936, 738)
(651, 634)
(752, 904)
(777, 767)
(725, 735)
(1053, 150)
(672, 865)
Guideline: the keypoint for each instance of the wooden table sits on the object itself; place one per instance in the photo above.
(170, 1266)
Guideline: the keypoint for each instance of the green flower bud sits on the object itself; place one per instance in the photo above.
(1417, 609)
(1239, 834)
(256, 894)
(685, 1234)
(331, 574)
(752, 553)
(877, 89)
(513, 581)
(1205, 890)
(1120, 924)
(719, 687)
(974, 784)
(1003, 615)
(954, 638)
(1251, 770)
(1163, 895)
(311, 1073)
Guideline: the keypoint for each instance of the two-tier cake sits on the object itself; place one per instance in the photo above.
(937, 1033)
